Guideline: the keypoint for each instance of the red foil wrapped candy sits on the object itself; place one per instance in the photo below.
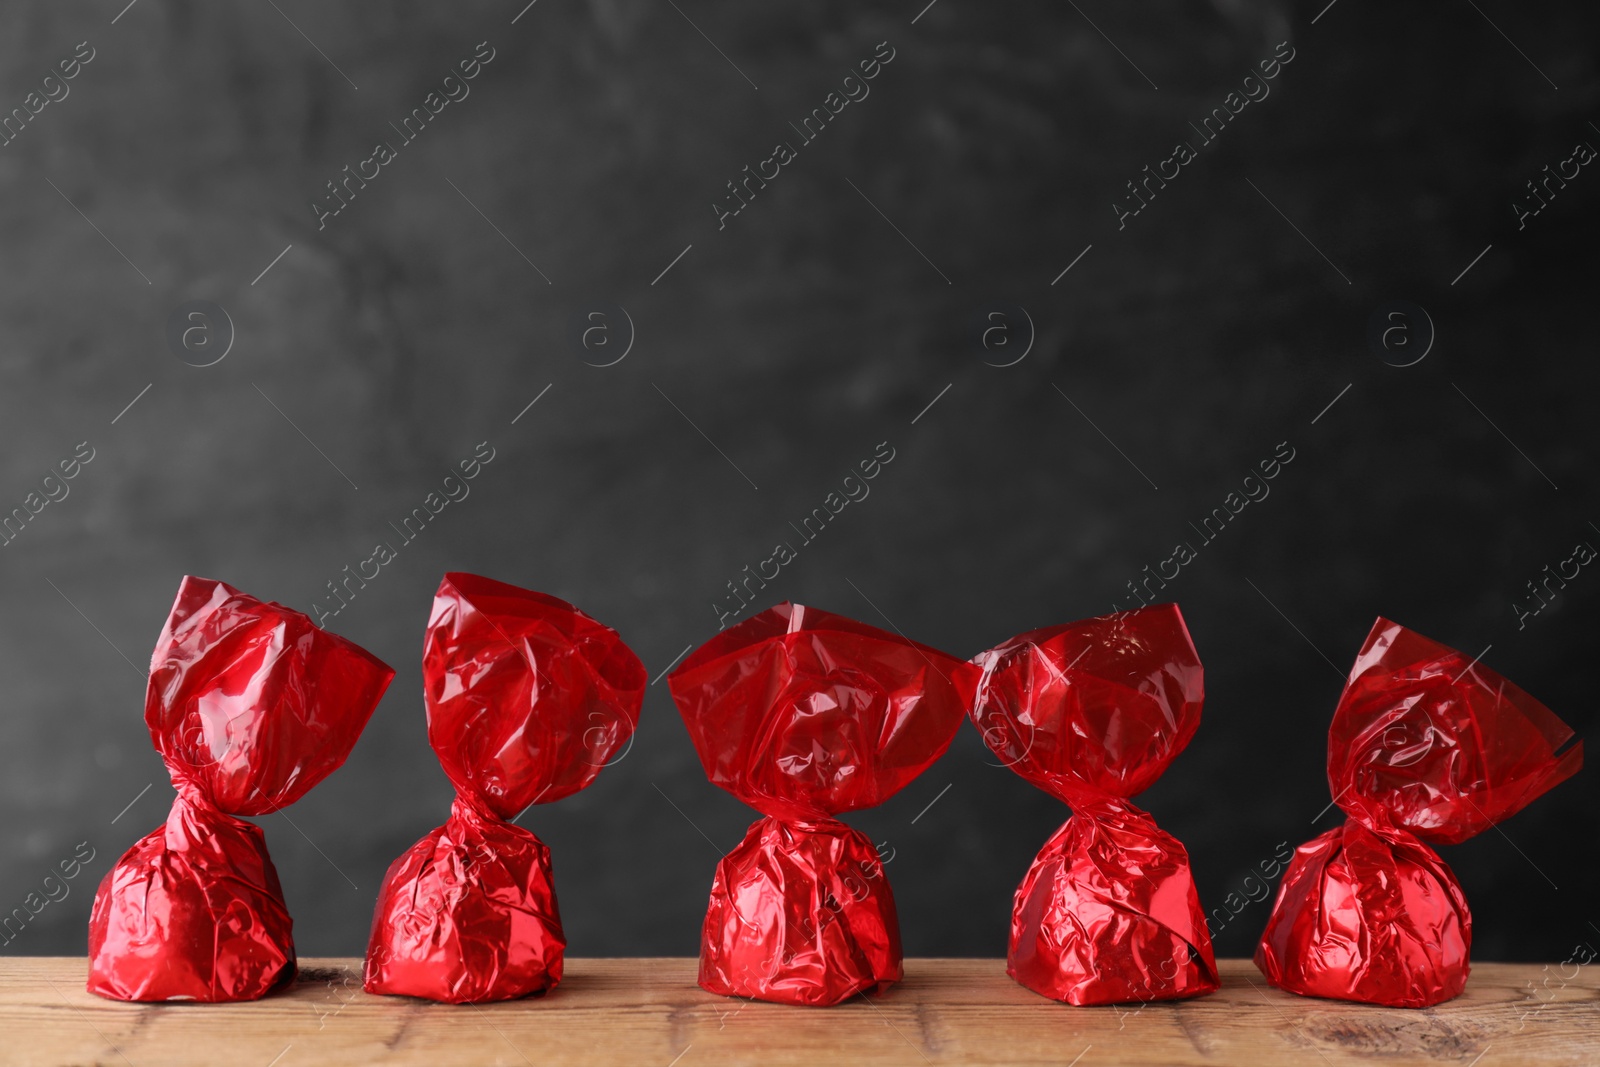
(250, 705)
(1426, 745)
(1092, 712)
(527, 699)
(804, 715)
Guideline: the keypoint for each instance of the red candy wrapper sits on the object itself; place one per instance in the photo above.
(804, 715)
(527, 699)
(250, 705)
(1092, 712)
(1426, 745)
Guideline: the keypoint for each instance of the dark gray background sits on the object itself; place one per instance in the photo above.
(1196, 339)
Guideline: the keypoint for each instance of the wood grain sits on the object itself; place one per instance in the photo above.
(650, 1012)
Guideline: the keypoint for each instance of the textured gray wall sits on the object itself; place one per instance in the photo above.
(1196, 338)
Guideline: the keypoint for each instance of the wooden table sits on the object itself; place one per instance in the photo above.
(650, 1012)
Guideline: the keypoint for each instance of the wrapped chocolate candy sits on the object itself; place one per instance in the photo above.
(804, 715)
(527, 698)
(1426, 745)
(250, 705)
(1092, 712)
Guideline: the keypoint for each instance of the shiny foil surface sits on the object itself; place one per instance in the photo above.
(1426, 745)
(1093, 712)
(527, 699)
(250, 705)
(805, 715)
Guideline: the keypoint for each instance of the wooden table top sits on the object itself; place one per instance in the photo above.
(650, 1012)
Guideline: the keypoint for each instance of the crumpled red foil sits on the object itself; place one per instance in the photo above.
(527, 699)
(250, 705)
(1426, 745)
(1092, 712)
(805, 715)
